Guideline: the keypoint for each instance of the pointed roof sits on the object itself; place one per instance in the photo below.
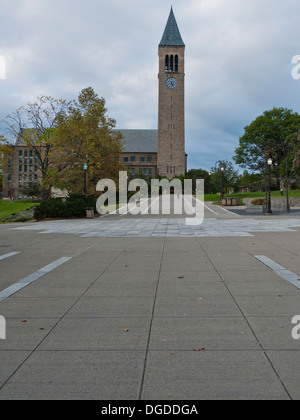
(171, 36)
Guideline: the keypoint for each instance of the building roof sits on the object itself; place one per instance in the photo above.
(171, 36)
(140, 141)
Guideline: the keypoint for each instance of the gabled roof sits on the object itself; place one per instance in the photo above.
(171, 36)
(140, 141)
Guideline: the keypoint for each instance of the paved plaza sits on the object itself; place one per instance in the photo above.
(148, 308)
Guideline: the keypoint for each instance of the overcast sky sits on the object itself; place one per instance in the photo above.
(238, 61)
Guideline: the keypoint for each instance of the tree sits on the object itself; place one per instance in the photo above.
(272, 135)
(231, 178)
(85, 135)
(195, 174)
(33, 126)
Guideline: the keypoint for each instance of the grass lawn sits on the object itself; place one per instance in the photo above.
(7, 208)
(215, 198)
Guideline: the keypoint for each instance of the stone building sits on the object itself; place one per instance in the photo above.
(146, 152)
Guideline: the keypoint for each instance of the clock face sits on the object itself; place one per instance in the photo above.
(171, 83)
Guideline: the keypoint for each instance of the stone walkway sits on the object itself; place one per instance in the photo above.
(163, 227)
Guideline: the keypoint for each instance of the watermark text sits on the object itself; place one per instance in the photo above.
(2, 328)
(296, 69)
(296, 329)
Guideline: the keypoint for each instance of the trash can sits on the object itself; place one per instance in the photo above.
(224, 202)
(235, 201)
(90, 213)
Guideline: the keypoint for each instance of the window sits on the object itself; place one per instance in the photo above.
(133, 171)
(132, 158)
(125, 159)
(142, 159)
(20, 168)
(167, 63)
(150, 171)
(145, 171)
(141, 171)
(25, 168)
(149, 159)
(20, 157)
(172, 63)
(176, 62)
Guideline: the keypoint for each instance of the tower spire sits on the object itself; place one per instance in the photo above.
(171, 36)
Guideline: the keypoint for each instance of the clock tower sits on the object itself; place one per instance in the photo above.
(171, 157)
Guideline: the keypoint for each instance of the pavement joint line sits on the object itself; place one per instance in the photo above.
(11, 290)
(206, 207)
(11, 254)
(286, 274)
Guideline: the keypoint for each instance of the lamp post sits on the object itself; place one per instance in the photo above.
(222, 169)
(269, 205)
(85, 167)
(222, 183)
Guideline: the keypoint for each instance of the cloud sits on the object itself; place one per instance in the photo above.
(238, 61)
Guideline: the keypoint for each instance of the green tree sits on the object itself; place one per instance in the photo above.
(85, 135)
(231, 178)
(195, 174)
(272, 135)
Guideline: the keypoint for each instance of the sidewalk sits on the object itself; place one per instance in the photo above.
(163, 318)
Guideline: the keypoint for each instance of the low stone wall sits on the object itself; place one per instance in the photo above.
(276, 201)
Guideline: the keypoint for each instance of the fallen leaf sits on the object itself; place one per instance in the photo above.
(180, 277)
(24, 320)
(199, 349)
(126, 330)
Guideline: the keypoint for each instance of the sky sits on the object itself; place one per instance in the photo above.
(241, 60)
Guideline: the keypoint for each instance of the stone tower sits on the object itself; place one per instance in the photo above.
(171, 157)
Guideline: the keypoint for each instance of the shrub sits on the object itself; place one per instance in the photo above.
(74, 206)
(259, 202)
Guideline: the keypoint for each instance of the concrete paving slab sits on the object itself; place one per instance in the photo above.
(26, 334)
(108, 307)
(210, 333)
(61, 375)
(214, 375)
(269, 305)
(89, 334)
(10, 361)
(274, 333)
(25, 308)
(192, 307)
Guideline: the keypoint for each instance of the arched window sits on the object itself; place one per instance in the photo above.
(167, 63)
(172, 62)
(176, 62)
